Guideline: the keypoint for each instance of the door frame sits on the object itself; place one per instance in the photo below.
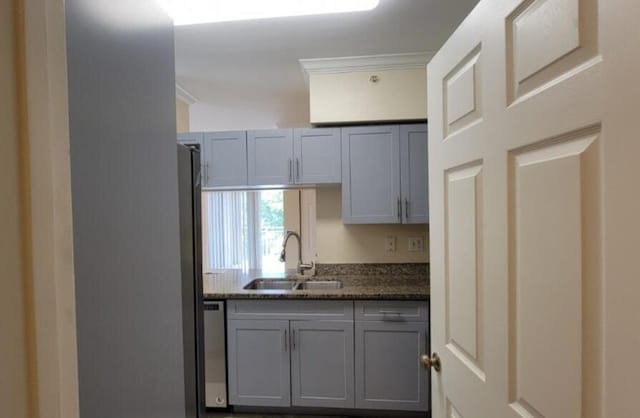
(47, 228)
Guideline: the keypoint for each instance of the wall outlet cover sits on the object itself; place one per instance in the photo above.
(415, 244)
(390, 243)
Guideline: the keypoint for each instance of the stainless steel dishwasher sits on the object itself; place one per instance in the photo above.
(215, 363)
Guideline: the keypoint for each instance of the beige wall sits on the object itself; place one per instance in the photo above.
(351, 97)
(182, 116)
(13, 346)
(339, 243)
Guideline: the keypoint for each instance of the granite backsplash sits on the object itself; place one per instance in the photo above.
(373, 269)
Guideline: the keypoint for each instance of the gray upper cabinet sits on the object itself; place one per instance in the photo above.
(258, 361)
(387, 365)
(371, 175)
(225, 159)
(270, 157)
(414, 173)
(385, 174)
(317, 155)
(322, 364)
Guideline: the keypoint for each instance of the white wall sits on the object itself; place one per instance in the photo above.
(288, 112)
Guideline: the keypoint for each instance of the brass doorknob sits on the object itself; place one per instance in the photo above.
(431, 362)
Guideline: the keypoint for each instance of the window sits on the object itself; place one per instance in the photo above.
(243, 230)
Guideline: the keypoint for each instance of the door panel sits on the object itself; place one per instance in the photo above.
(530, 116)
(546, 41)
(546, 244)
(463, 278)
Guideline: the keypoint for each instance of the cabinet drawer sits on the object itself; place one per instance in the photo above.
(392, 311)
(290, 309)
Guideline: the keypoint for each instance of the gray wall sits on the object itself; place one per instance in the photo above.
(125, 209)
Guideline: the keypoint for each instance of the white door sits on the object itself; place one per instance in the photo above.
(535, 211)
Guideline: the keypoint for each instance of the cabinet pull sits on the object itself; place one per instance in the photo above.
(390, 312)
(406, 208)
(399, 209)
(294, 339)
(286, 345)
(290, 170)
(297, 169)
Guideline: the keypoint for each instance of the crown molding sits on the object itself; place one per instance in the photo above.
(364, 63)
(184, 95)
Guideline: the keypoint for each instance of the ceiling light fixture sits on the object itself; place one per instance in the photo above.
(190, 12)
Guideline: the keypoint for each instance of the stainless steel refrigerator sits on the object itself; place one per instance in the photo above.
(189, 188)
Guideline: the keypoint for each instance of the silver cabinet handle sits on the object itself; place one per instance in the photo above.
(406, 208)
(290, 170)
(294, 339)
(297, 169)
(390, 312)
(399, 209)
(206, 166)
(286, 344)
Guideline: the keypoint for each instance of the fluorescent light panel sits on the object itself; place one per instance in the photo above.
(190, 12)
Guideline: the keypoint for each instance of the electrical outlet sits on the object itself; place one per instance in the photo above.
(416, 244)
(390, 243)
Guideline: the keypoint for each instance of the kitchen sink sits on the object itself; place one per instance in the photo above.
(271, 284)
(319, 285)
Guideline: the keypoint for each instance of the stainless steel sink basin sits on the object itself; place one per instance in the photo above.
(319, 285)
(271, 284)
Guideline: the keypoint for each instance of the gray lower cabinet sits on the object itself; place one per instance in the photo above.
(258, 361)
(312, 353)
(322, 364)
(387, 365)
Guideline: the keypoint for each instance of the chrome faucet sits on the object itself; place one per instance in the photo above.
(302, 267)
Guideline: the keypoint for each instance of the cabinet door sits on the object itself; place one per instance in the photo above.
(258, 359)
(317, 156)
(270, 157)
(225, 159)
(388, 370)
(414, 174)
(371, 175)
(322, 364)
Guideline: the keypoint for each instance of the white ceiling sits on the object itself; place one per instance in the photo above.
(255, 63)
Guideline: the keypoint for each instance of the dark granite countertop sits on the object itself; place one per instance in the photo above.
(390, 284)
